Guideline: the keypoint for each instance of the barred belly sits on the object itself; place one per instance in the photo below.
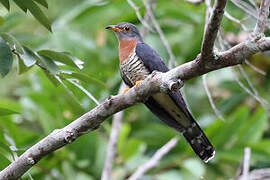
(134, 69)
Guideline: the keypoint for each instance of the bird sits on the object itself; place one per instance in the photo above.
(138, 60)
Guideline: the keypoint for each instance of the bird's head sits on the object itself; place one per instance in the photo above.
(126, 31)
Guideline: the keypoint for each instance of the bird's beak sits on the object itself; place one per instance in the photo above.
(114, 28)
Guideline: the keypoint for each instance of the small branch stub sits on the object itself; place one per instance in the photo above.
(30, 161)
(176, 85)
(70, 137)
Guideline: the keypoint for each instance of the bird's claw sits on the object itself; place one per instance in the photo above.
(138, 83)
(126, 90)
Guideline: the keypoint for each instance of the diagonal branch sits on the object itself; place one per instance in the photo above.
(217, 112)
(255, 68)
(155, 82)
(263, 15)
(211, 30)
(154, 160)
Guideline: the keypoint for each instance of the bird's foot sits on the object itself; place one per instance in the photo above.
(126, 90)
(138, 83)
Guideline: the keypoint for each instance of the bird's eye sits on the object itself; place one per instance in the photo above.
(127, 28)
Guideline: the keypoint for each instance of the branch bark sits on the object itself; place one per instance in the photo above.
(156, 82)
(263, 15)
(211, 30)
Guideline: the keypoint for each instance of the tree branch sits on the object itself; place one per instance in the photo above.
(154, 160)
(263, 15)
(112, 146)
(243, 171)
(211, 30)
(155, 82)
(217, 112)
(255, 68)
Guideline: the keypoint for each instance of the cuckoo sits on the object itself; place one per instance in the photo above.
(137, 61)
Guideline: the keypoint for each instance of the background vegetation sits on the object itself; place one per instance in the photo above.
(39, 95)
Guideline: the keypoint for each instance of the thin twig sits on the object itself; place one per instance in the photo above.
(217, 112)
(197, 2)
(253, 12)
(147, 18)
(246, 8)
(263, 15)
(243, 171)
(137, 10)
(172, 61)
(154, 160)
(112, 145)
(230, 17)
(246, 161)
(244, 74)
(254, 93)
(254, 4)
(211, 30)
(258, 98)
(255, 68)
(73, 81)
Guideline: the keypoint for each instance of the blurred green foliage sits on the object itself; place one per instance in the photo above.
(42, 91)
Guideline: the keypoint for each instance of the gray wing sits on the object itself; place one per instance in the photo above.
(171, 108)
(153, 61)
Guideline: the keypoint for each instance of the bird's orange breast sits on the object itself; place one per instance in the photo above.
(126, 47)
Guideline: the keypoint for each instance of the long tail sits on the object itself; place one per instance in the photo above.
(199, 142)
(187, 126)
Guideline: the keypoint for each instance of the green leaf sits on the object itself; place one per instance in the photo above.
(42, 2)
(22, 68)
(29, 57)
(122, 139)
(5, 147)
(37, 13)
(4, 161)
(12, 41)
(21, 5)
(225, 133)
(77, 61)
(49, 64)
(58, 56)
(6, 59)
(253, 127)
(131, 147)
(2, 21)
(85, 78)
(5, 112)
(51, 78)
(263, 145)
(5, 3)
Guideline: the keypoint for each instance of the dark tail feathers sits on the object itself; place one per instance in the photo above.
(199, 142)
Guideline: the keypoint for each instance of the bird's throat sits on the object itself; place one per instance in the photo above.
(126, 47)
